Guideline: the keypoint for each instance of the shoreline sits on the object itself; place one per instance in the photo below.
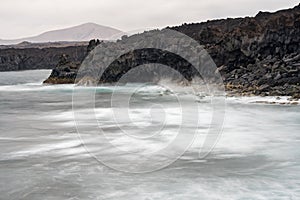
(257, 55)
(266, 100)
(229, 95)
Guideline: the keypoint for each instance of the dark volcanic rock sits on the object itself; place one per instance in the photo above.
(254, 52)
(255, 55)
(13, 59)
(66, 70)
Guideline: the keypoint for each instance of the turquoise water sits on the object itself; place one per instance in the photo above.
(42, 157)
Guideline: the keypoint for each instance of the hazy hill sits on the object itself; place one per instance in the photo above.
(83, 32)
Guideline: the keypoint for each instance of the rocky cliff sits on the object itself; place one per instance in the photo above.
(259, 55)
(255, 55)
(12, 59)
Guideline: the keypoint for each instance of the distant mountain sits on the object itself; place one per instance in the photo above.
(83, 32)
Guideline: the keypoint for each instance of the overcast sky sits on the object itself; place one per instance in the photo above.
(20, 18)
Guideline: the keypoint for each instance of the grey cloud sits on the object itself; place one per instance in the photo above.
(20, 18)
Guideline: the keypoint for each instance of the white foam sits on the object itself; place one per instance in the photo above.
(279, 100)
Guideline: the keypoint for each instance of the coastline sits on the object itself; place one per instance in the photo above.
(256, 56)
(267, 100)
(230, 97)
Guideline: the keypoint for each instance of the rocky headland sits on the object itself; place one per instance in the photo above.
(255, 55)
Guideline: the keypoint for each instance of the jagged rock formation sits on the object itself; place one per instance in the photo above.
(65, 71)
(255, 55)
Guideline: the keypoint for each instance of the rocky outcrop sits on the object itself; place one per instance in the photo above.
(255, 55)
(65, 71)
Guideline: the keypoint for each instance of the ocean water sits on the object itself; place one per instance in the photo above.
(257, 155)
